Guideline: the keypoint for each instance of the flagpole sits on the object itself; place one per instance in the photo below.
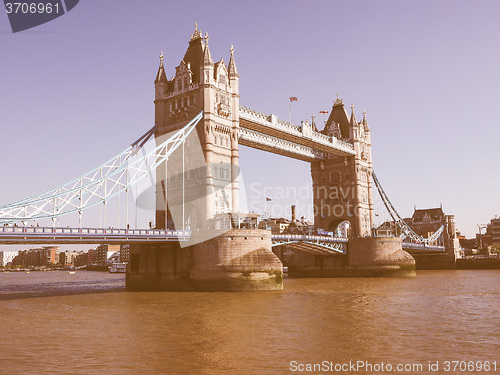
(290, 111)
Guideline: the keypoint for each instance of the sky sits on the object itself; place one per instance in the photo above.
(79, 89)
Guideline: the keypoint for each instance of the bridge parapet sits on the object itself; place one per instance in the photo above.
(270, 121)
(283, 147)
(294, 133)
(20, 235)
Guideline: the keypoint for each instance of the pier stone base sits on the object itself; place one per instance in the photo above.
(366, 257)
(379, 256)
(237, 260)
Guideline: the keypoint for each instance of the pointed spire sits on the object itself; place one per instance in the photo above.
(353, 116)
(232, 65)
(207, 57)
(161, 75)
(365, 123)
(338, 101)
(197, 34)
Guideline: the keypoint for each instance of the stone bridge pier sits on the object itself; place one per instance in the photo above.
(199, 184)
(198, 187)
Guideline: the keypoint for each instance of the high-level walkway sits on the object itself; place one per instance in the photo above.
(268, 133)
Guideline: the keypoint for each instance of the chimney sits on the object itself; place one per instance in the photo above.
(293, 213)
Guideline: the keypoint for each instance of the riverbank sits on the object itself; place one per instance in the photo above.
(478, 264)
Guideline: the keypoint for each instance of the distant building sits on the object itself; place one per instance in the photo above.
(100, 254)
(81, 259)
(49, 256)
(125, 253)
(91, 256)
(387, 229)
(493, 230)
(45, 256)
(277, 225)
(67, 258)
(425, 222)
(282, 225)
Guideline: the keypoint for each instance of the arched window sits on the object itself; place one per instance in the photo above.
(335, 177)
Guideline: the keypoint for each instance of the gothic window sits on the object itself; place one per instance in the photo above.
(192, 100)
(335, 177)
(179, 84)
(176, 104)
(185, 83)
(182, 102)
(223, 79)
(207, 76)
(187, 101)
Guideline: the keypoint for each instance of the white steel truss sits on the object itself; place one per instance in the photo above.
(99, 185)
(406, 231)
(317, 244)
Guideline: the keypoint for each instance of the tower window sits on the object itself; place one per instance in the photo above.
(179, 85)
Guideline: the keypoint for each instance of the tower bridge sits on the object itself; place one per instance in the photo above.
(201, 240)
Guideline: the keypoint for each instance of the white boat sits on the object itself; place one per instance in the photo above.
(118, 268)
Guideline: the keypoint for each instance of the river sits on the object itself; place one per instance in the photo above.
(86, 323)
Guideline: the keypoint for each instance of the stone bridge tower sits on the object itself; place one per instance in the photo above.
(201, 180)
(342, 186)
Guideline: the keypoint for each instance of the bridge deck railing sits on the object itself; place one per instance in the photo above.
(421, 246)
(305, 237)
(294, 129)
(91, 231)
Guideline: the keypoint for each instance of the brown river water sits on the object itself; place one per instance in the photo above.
(86, 323)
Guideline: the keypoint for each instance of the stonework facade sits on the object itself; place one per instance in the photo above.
(342, 185)
(200, 179)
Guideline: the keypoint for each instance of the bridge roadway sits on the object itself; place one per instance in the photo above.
(268, 133)
(44, 235)
(320, 245)
(10, 235)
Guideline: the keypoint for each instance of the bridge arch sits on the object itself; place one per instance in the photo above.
(340, 228)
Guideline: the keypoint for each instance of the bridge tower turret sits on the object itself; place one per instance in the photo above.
(200, 182)
(342, 186)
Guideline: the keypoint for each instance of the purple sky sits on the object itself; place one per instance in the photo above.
(78, 90)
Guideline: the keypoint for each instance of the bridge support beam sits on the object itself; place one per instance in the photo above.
(238, 260)
(366, 257)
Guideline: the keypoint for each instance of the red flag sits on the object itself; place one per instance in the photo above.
(293, 99)
(323, 112)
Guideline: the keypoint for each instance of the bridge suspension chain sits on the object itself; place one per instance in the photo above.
(406, 231)
(115, 176)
